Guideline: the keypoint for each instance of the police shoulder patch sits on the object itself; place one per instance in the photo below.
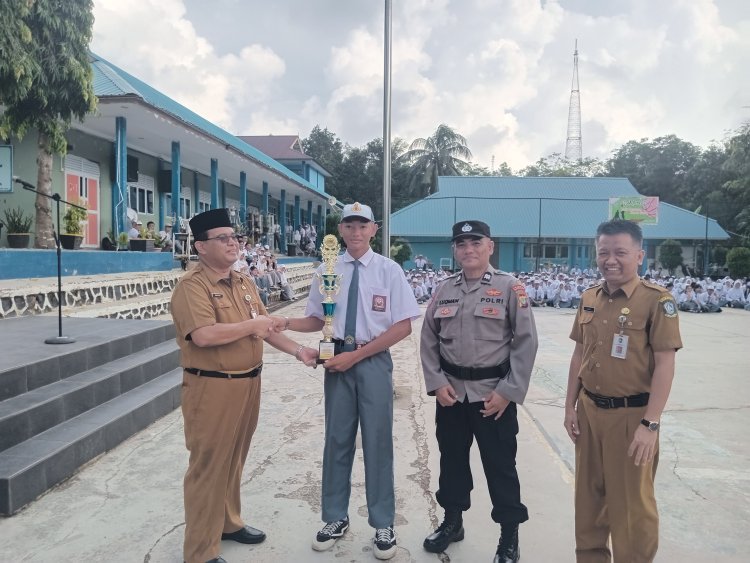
(520, 291)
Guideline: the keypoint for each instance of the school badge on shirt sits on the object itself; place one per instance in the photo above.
(378, 303)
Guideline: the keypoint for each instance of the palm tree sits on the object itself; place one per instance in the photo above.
(441, 154)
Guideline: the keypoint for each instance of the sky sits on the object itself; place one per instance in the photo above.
(497, 71)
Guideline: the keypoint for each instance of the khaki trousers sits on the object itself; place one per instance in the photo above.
(220, 417)
(613, 496)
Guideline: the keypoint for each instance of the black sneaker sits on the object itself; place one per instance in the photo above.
(385, 543)
(330, 534)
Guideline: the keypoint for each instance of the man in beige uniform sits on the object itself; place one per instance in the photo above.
(626, 333)
(478, 347)
(221, 324)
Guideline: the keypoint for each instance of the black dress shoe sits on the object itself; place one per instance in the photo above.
(217, 560)
(245, 535)
(451, 530)
(508, 550)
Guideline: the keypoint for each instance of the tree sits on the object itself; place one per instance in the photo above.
(737, 187)
(738, 261)
(670, 254)
(557, 165)
(441, 154)
(655, 168)
(400, 251)
(55, 58)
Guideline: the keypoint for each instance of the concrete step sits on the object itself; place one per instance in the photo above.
(29, 367)
(28, 414)
(30, 468)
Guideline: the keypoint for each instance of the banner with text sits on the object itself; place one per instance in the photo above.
(640, 209)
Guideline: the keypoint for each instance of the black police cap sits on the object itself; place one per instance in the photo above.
(211, 219)
(470, 228)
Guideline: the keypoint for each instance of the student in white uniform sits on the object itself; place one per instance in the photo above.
(359, 379)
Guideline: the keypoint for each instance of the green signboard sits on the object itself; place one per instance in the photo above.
(640, 209)
(6, 168)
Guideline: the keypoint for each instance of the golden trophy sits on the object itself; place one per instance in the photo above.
(329, 286)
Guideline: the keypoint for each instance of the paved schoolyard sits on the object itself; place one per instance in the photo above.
(126, 506)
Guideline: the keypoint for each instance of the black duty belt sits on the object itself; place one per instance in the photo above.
(220, 374)
(640, 400)
(475, 374)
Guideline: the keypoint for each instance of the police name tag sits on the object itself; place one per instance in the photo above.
(620, 346)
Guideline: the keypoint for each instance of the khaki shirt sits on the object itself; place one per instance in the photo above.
(650, 322)
(481, 325)
(202, 298)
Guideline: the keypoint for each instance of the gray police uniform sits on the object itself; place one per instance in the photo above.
(479, 337)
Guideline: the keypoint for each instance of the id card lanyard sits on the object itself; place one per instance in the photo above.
(620, 341)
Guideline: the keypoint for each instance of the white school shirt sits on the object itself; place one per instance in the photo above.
(384, 296)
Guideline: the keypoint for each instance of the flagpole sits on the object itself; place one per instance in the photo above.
(387, 133)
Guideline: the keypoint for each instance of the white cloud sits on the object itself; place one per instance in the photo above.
(498, 71)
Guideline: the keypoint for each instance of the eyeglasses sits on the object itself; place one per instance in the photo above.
(226, 239)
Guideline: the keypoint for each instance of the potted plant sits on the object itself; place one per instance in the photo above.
(145, 242)
(18, 224)
(122, 241)
(73, 236)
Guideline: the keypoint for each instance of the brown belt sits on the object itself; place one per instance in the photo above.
(220, 374)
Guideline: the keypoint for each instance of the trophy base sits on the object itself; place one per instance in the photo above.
(326, 351)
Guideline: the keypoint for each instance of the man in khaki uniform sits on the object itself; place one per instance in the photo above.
(221, 324)
(626, 333)
(478, 347)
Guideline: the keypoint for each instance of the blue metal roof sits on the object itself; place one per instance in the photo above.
(513, 206)
(112, 81)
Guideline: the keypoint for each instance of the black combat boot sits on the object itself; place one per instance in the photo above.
(508, 550)
(452, 529)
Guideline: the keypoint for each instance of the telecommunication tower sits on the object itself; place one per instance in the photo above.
(573, 147)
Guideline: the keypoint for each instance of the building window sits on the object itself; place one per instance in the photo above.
(142, 195)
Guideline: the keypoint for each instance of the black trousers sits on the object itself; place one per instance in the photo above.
(456, 428)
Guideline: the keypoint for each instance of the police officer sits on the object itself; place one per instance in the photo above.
(221, 324)
(626, 333)
(478, 347)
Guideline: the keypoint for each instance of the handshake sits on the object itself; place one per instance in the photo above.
(266, 325)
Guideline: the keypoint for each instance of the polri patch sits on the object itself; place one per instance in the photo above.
(490, 311)
(379, 303)
(520, 291)
(492, 292)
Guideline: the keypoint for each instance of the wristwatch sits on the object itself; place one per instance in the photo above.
(651, 425)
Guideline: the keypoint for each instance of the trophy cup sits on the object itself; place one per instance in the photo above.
(329, 286)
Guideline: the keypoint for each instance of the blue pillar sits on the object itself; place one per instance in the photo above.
(644, 266)
(571, 253)
(297, 218)
(196, 193)
(243, 199)
(282, 221)
(321, 222)
(214, 183)
(264, 200)
(120, 191)
(176, 181)
(309, 220)
(223, 193)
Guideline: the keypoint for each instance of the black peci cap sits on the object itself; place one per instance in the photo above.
(470, 229)
(211, 219)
